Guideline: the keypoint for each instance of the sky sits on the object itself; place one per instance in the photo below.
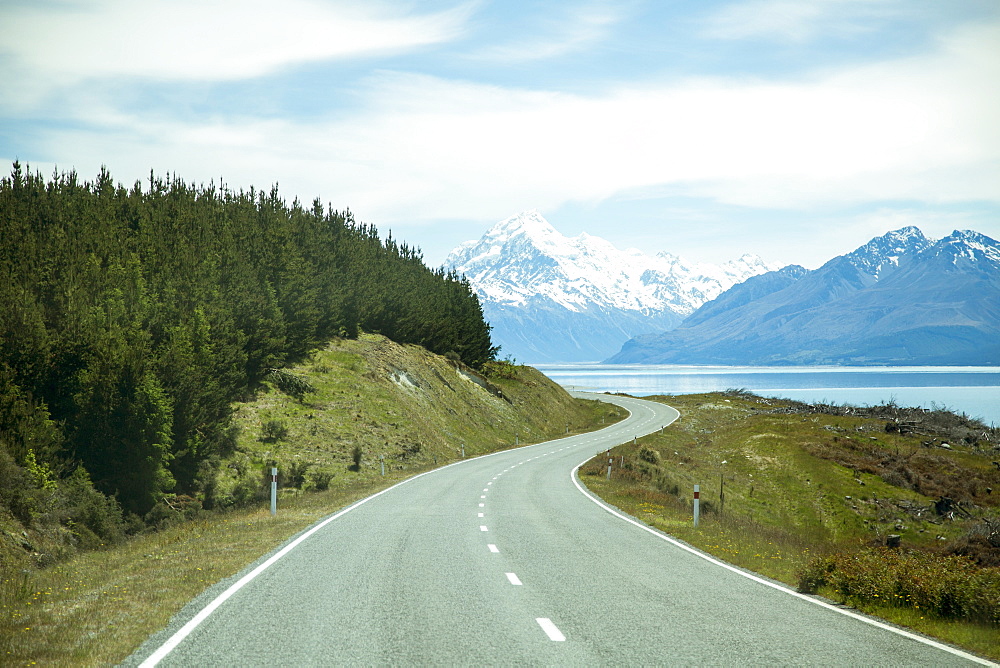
(793, 130)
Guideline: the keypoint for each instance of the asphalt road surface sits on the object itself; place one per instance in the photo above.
(504, 559)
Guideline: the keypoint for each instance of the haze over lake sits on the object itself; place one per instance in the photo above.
(971, 390)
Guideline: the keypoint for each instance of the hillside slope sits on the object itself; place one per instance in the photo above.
(395, 401)
(400, 401)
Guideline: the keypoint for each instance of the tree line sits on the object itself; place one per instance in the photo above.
(131, 318)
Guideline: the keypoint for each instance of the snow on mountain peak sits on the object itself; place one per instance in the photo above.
(524, 259)
(882, 253)
(971, 245)
(530, 223)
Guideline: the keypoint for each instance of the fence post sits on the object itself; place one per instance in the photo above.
(274, 491)
(697, 492)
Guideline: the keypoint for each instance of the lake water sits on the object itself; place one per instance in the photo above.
(974, 391)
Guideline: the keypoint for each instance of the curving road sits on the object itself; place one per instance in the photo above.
(504, 559)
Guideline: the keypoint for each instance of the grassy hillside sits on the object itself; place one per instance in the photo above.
(811, 496)
(395, 401)
(415, 408)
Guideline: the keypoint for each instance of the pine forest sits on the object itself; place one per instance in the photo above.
(132, 318)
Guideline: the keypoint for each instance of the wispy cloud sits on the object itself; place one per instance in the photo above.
(47, 45)
(795, 20)
(918, 129)
(409, 144)
(569, 31)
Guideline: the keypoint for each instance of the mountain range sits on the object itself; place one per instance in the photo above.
(551, 298)
(901, 299)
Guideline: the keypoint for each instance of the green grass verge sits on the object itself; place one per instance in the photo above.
(782, 491)
(398, 402)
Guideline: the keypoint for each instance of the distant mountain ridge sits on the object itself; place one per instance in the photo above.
(551, 298)
(899, 299)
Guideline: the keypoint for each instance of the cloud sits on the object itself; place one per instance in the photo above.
(793, 20)
(570, 32)
(919, 129)
(44, 45)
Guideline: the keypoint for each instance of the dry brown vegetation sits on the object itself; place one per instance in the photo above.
(812, 495)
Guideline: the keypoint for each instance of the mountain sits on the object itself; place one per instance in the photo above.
(900, 299)
(551, 298)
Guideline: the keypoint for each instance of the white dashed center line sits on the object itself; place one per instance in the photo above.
(482, 505)
(483, 528)
(513, 579)
(480, 514)
(493, 548)
(550, 629)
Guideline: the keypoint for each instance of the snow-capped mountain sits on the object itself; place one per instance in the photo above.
(900, 299)
(551, 298)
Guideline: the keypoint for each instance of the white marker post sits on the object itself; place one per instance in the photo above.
(609, 468)
(381, 459)
(697, 492)
(274, 491)
(463, 451)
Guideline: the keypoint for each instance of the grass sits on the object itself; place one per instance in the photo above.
(97, 608)
(799, 486)
(400, 402)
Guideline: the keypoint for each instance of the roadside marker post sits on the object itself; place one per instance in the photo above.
(463, 451)
(609, 467)
(697, 492)
(274, 491)
(381, 459)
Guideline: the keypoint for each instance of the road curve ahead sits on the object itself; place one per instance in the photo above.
(503, 560)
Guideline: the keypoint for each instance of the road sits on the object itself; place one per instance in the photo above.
(503, 559)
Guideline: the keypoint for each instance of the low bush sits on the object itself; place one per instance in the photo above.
(649, 454)
(273, 431)
(320, 480)
(949, 586)
(295, 474)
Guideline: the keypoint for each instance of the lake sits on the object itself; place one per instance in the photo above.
(974, 391)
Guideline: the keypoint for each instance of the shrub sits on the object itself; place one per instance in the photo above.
(273, 431)
(93, 517)
(320, 480)
(649, 455)
(295, 474)
(290, 384)
(500, 369)
(356, 454)
(945, 585)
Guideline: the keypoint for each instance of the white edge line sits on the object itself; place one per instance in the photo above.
(550, 629)
(760, 580)
(203, 614)
(182, 633)
(514, 580)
